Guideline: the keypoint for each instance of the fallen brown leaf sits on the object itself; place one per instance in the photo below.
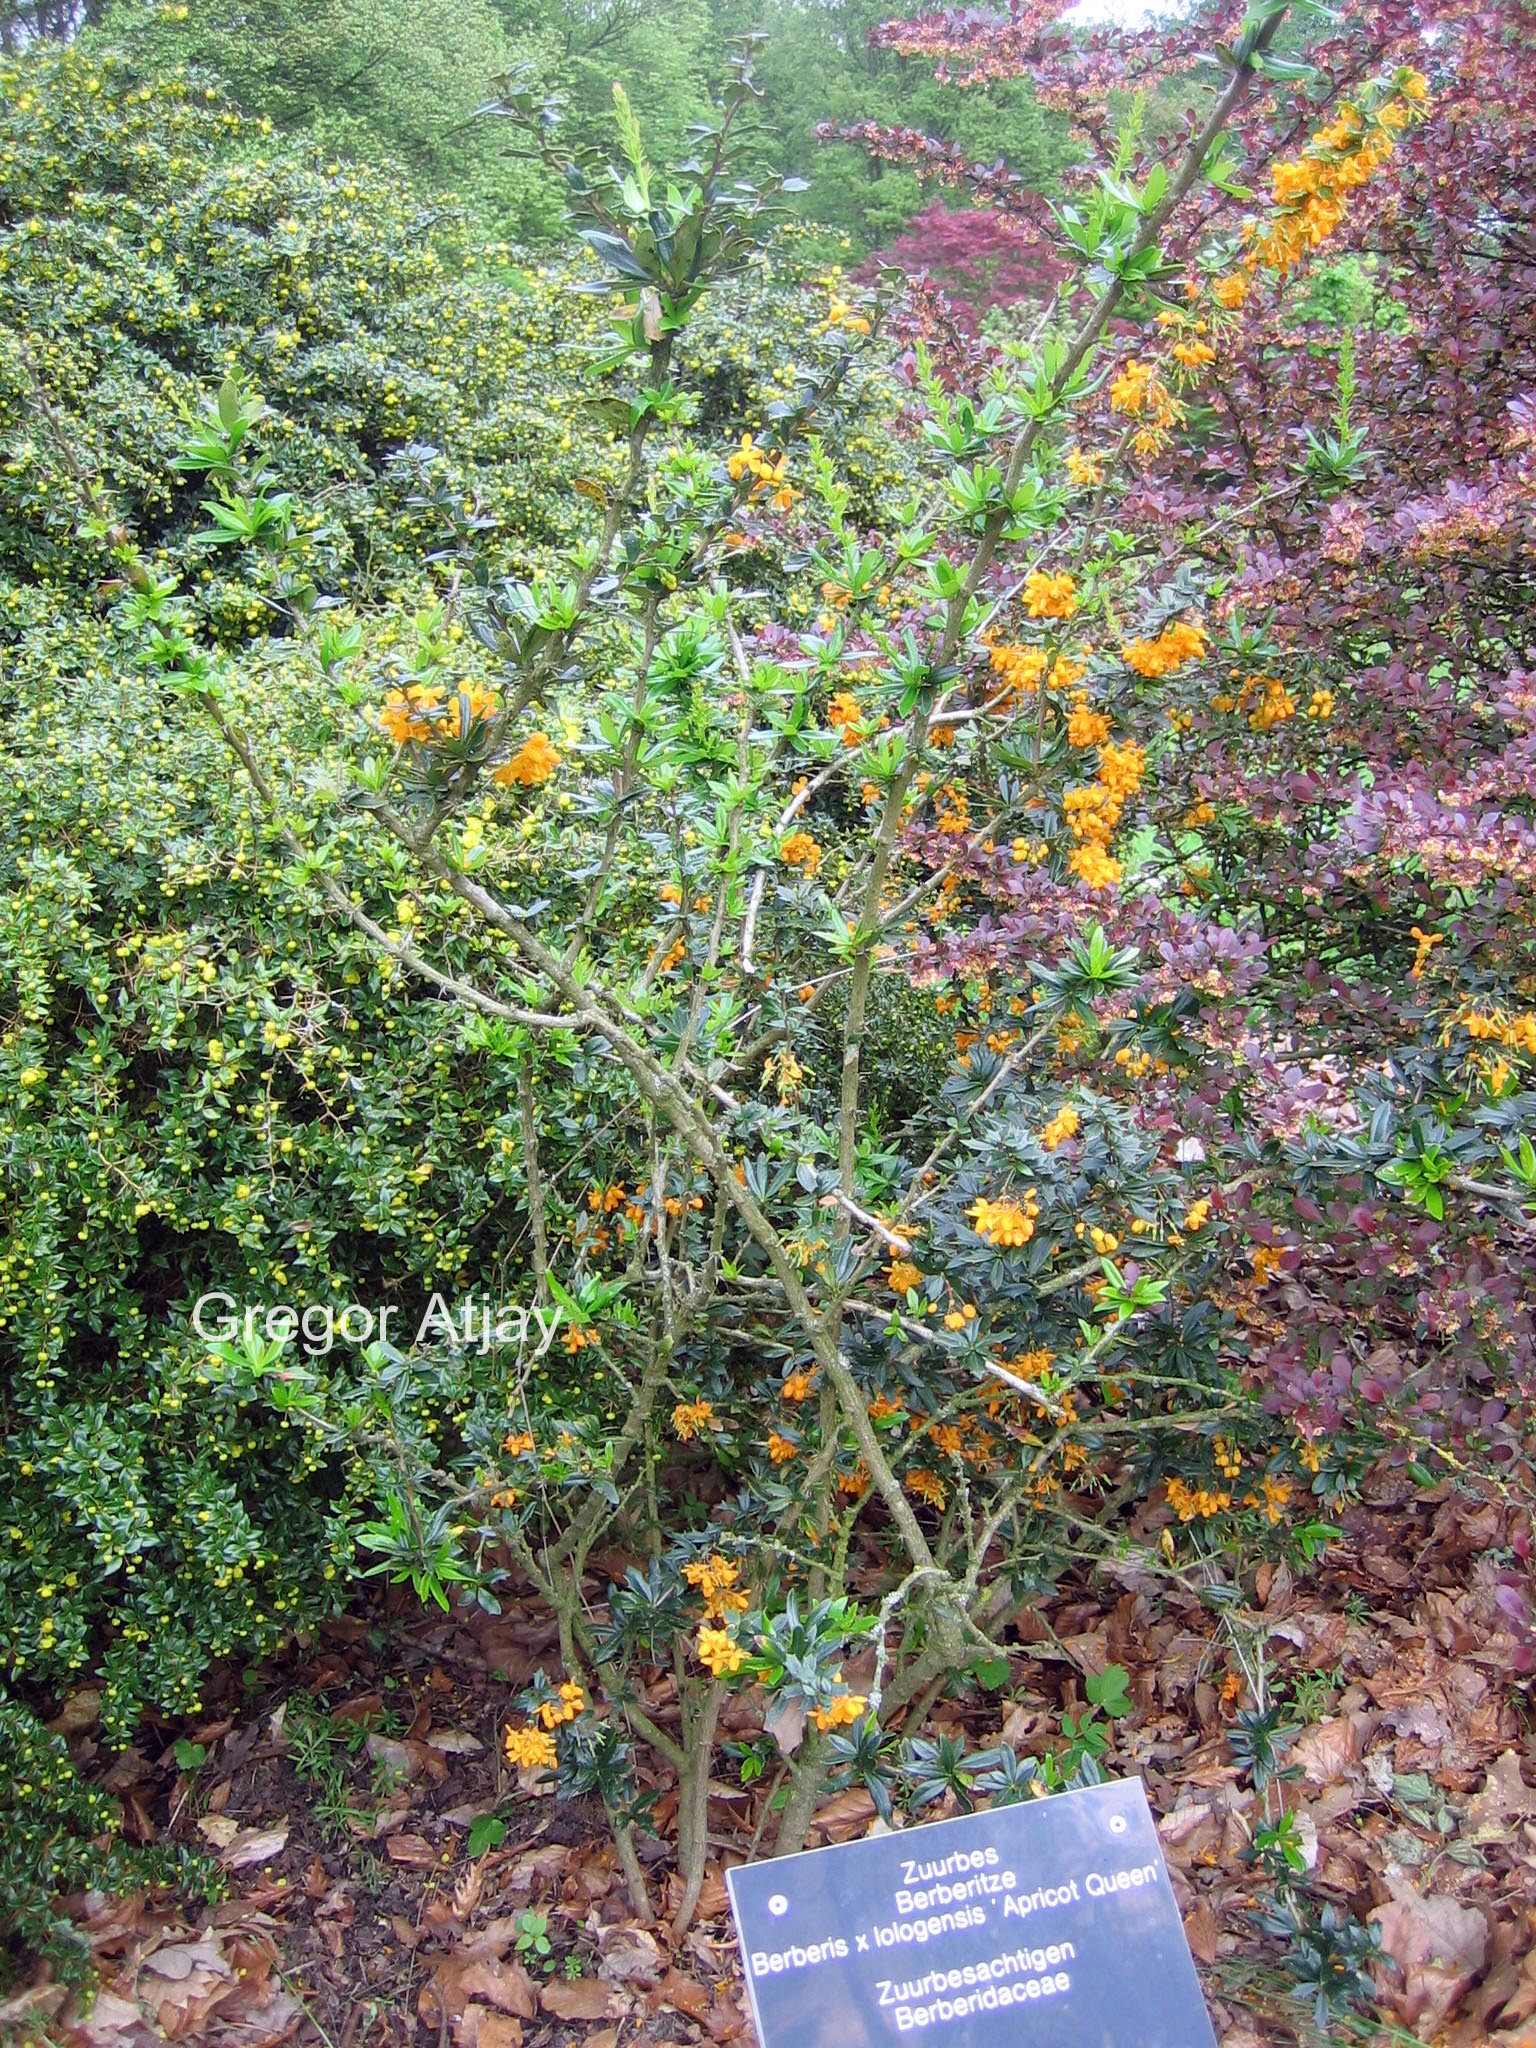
(723, 2021)
(241, 1848)
(1203, 1933)
(1328, 1751)
(408, 1760)
(633, 1956)
(1438, 1948)
(1505, 1796)
(785, 1722)
(415, 1852)
(459, 1981)
(80, 1711)
(683, 1993)
(584, 1999)
(111, 2020)
(453, 1742)
(483, 2028)
(845, 1815)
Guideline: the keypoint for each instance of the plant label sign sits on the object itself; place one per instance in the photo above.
(1047, 1925)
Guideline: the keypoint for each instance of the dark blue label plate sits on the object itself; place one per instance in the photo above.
(1048, 1925)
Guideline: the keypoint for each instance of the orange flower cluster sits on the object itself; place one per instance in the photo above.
(1272, 1498)
(529, 1749)
(1008, 1224)
(1048, 596)
(1133, 387)
(1021, 668)
(720, 1653)
(1030, 1364)
(766, 471)
(902, 1276)
(1192, 1502)
(952, 811)
(1311, 190)
(1424, 943)
(844, 715)
(927, 1486)
(604, 1201)
(692, 1418)
(847, 1708)
(569, 1701)
(1265, 1260)
(1024, 669)
(409, 715)
(800, 850)
(1183, 641)
(1140, 392)
(1093, 811)
(1515, 1034)
(841, 314)
(1063, 1125)
(534, 762)
(1264, 699)
(717, 1582)
(533, 1747)
(1086, 728)
(419, 713)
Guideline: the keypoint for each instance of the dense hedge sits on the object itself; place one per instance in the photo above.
(203, 1085)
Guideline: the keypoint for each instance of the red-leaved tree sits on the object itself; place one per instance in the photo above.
(1351, 490)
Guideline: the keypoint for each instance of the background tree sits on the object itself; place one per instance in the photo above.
(374, 80)
(821, 69)
(31, 21)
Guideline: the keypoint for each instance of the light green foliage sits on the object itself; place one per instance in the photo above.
(816, 67)
(1352, 291)
(366, 79)
(666, 52)
(402, 79)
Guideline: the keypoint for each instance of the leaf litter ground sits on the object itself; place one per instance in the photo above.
(346, 1794)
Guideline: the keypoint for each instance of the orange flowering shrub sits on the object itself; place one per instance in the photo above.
(898, 1094)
